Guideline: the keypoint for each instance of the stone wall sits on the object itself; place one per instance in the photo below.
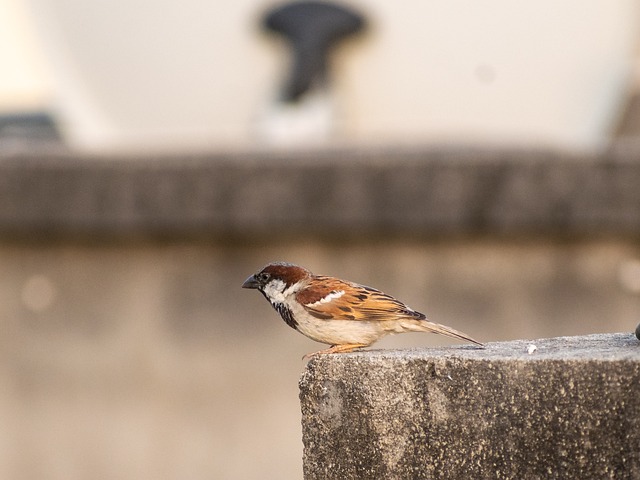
(568, 409)
(343, 192)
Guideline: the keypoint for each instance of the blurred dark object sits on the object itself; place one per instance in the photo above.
(312, 28)
(638, 332)
(27, 128)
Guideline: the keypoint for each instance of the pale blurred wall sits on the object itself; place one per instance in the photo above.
(413, 76)
(149, 362)
(25, 82)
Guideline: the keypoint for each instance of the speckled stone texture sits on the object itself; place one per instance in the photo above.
(569, 409)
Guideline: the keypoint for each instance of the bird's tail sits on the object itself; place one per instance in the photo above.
(427, 326)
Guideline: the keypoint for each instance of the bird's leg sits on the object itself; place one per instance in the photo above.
(349, 347)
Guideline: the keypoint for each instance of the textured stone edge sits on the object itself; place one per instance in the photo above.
(572, 407)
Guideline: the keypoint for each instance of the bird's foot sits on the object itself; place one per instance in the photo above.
(350, 347)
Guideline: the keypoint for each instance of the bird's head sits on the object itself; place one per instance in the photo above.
(276, 278)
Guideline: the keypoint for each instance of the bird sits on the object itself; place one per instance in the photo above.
(345, 315)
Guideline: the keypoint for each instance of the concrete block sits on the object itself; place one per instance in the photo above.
(564, 407)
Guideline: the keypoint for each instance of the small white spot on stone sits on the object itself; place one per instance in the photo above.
(531, 348)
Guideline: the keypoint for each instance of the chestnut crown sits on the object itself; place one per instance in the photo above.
(288, 273)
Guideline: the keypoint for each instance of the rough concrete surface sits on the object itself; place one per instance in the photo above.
(569, 409)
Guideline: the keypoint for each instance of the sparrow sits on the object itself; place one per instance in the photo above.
(336, 312)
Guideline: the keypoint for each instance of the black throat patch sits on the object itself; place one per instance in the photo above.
(286, 314)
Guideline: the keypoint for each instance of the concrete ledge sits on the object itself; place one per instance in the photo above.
(428, 191)
(570, 409)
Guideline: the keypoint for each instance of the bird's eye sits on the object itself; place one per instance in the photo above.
(264, 277)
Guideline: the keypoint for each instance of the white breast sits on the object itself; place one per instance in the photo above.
(331, 332)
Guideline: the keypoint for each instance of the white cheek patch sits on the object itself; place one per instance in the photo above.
(274, 290)
(332, 296)
(291, 290)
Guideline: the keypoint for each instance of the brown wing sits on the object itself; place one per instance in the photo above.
(327, 297)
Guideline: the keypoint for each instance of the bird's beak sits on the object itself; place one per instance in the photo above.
(251, 282)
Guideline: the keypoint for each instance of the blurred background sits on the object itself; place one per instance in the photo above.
(478, 160)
